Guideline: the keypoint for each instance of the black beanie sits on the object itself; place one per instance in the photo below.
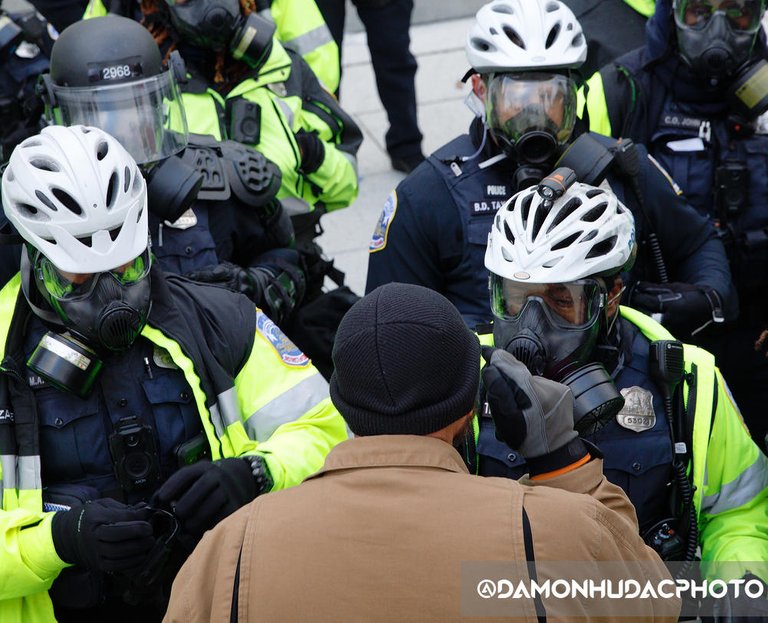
(404, 363)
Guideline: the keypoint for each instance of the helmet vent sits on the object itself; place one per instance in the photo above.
(111, 188)
(67, 201)
(32, 213)
(505, 254)
(552, 7)
(9, 176)
(514, 37)
(538, 221)
(503, 8)
(44, 199)
(136, 183)
(595, 213)
(594, 192)
(569, 208)
(482, 45)
(566, 242)
(33, 143)
(101, 150)
(86, 240)
(126, 179)
(602, 248)
(114, 233)
(552, 36)
(525, 206)
(508, 233)
(45, 165)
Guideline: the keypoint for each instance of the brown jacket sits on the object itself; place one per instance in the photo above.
(380, 534)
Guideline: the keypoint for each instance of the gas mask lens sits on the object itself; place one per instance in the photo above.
(65, 286)
(741, 15)
(571, 305)
(530, 102)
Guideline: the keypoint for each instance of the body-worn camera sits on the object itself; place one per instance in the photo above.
(134, 454)
(731, 189)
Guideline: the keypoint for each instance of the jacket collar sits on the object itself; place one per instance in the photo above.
(393, 451)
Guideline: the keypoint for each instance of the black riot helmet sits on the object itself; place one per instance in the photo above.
(108, 73)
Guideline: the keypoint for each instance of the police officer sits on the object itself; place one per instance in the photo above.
(213, 211)
(658, 409)
(694, 94)
(266, 96)
(434, 226)
(299, 23)
(118, 385)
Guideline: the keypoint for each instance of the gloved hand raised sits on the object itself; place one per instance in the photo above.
(202, 494)
(103, 535)
(532, 414)
(233, 277)
(684, 308)
(275, 294)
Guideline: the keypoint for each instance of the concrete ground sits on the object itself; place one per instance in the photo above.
(439, 49)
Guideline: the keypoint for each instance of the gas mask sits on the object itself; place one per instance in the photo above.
(553, 329)
(219, 25)
(103, 312)
(715, 37)
(531, 115)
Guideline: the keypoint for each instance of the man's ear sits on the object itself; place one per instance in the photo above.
(478, 86)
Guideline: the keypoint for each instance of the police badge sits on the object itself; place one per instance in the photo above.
(637, 414)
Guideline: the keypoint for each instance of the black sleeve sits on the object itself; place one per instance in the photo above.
(417, 241)
(692, 250)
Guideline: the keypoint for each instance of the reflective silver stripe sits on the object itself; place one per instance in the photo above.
(218, 426)
(311, 40)
(29, 473)
(295, 205)
(287, 111)
(9, 470)
(739, 491)
(228, 407)
(287, 407)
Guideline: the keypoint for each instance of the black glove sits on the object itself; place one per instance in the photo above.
(275, 293)
(532, 414)
(312, 151)
(202, 494)
(103, 535)
(685, 309)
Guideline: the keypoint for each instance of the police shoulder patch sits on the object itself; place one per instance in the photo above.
(289, 353)
(379, 238)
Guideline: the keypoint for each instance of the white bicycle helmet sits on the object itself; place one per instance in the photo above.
(525, 35)
(586, 232)
(77, 196)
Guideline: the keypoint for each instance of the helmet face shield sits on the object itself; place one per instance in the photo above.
(572, 305)
(741, 15)
(146, 116)
(538, 104)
